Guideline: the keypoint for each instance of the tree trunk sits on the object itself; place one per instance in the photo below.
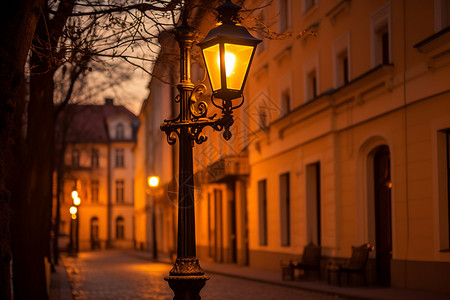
(32, 219)
(18, 21)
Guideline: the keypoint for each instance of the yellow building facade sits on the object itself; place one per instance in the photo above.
(99, 165)
(343, 140)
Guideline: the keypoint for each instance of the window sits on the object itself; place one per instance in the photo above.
(75, 158)
(311, 75)
(285, 102)
(120, 228)
(119, 191)
(119, 158)
(342, 60)
(119, 132)
(284, 22)
(308, 5)
(380, 38)
(94, 229)
(441, 14)
(443, 178)
(447, 136)
(313, 214)
(261, 25)
(263, 120)
(285, 208)
(94, 191)
(262, 207)
(94, 158)
(311, 85)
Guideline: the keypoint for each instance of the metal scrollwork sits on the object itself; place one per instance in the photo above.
(201, 109)
(172, 137)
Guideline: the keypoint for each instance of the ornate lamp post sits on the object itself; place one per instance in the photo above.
(228, 51)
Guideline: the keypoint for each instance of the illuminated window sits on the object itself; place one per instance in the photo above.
(119, 132)
(262, 212)
(94, 158)
(285, 208)
(119, 191)
(94, 191)
(75, 158)
(119, 158)
(120, 228)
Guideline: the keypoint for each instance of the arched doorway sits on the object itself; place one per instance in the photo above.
(383, 224)
(95, 241)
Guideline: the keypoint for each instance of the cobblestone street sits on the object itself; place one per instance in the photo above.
(120, 275)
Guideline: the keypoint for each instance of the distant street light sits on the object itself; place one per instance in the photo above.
(74, 211)
(228, 51)
(153, 182)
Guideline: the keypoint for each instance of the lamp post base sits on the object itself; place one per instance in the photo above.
(187, 287)
(186, 279)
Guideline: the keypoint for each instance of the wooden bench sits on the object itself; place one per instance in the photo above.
(310, 261)
(356, 265)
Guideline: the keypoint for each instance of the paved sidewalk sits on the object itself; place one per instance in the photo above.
(272, 277)
(60, 287)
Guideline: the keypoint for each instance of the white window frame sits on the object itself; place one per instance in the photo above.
(378, 20)
(309, 65)
(340, 45)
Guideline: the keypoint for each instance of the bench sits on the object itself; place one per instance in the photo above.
(355, 265)
(310, 262)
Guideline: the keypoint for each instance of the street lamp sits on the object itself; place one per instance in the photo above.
(153, 182)
(228, 50)
(74, 211)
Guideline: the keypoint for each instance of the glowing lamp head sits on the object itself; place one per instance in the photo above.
(76, 201)
(153, 181)
(74, 194)
(228, 51)
(73, 210)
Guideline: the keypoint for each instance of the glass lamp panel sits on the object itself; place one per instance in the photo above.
(237, 58)
(211, 55)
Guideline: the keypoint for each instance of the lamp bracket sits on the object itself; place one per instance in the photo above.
(199, 120)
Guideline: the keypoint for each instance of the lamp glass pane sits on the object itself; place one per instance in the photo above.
(211, 55)
(237, 58)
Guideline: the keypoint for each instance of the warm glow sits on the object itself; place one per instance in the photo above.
(76, 201)
(73, 210)
(153, 181)
(74, 216)
(211, 54)
(230, 61)
(74, 194)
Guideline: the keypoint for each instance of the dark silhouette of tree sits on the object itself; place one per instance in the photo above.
(18, 21)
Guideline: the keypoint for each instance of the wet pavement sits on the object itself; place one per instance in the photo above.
(120, 275)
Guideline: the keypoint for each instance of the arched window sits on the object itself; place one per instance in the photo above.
(120, 228)
(119, 132)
